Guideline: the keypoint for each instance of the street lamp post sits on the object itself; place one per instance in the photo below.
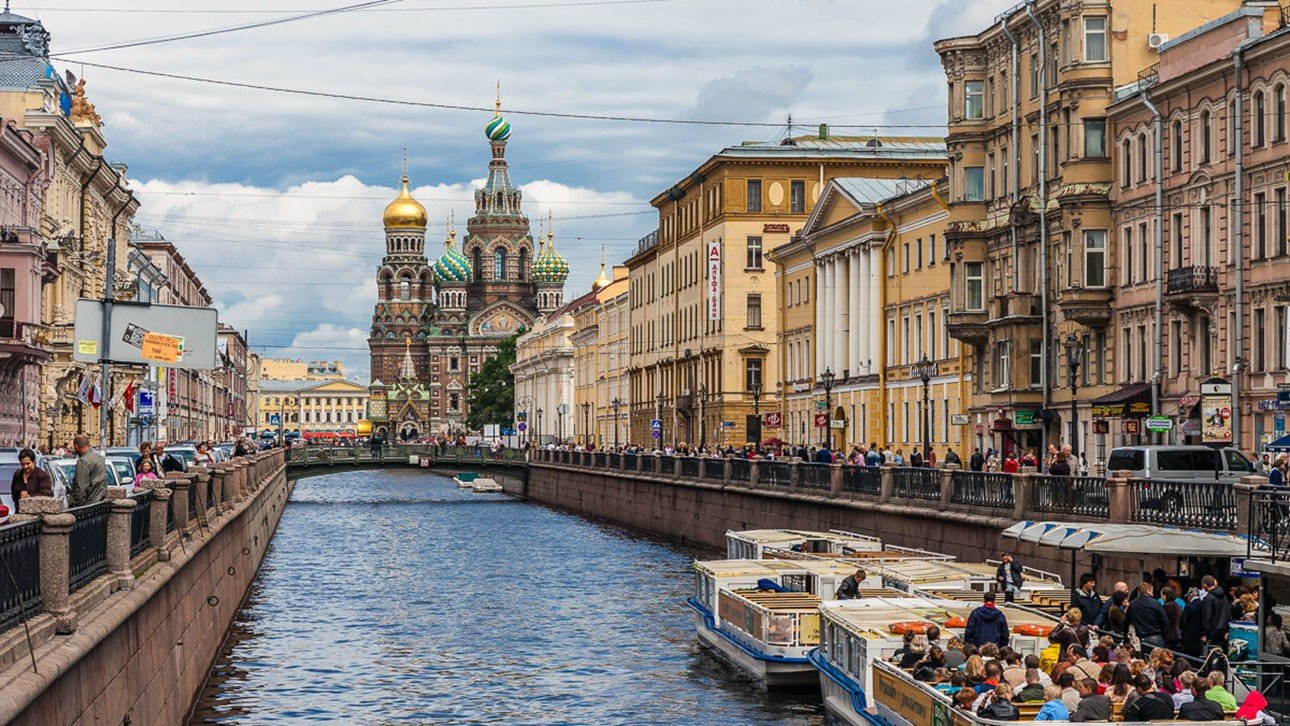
(703, 415)
(1074, 357)
(616, 403)
(526, 402)
(539, 427)
(826, 380)
(559, 421)
(586, 422)
(924, 369)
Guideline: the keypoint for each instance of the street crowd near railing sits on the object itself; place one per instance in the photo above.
(59, 562)
(1027, 494)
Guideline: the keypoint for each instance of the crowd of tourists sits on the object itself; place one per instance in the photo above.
(1141, 654)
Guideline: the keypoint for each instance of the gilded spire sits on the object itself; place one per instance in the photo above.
(497, 109)
(603, 279)
(404, 212)
(405, 165)
(407, 370)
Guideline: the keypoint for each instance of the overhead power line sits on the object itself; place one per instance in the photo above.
(237, 28)
(283, 11)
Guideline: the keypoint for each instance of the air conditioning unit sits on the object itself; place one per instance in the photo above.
(1155, 40)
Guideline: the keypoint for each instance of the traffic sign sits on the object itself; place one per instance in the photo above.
(1160, 424)
(657, 433)
(275, 419)
(656, 424)
(523, 426)
(145, 402)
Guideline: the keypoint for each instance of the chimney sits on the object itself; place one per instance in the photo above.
(824, 132)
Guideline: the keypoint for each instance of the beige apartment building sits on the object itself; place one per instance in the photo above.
(600, 324)
(876, 248)
(544, 383)
(1030, 183)
(704, 303)
(1216, 130)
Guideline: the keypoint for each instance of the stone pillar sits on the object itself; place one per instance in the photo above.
(118, 543)
(217, 476)
(201, 477)
(754, 472)
(947, 486)
(241, 479)
(161, 497)
(727, 470)
(1243, 491)
(794, 472)
(55, 559)
(1023, 486)
(657, 468)
(887, 483)
(1119, 496)
(180, 484)
(676, 467)
(835, 478)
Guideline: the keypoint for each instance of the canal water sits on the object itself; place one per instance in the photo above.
(395, 597)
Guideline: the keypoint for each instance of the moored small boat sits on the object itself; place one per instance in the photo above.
(465, 479)
(483, 484)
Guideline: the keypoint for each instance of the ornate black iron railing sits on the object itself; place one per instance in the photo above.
(87, 544)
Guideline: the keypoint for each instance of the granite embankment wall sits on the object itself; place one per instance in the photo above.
(698, 512)
(136, 644)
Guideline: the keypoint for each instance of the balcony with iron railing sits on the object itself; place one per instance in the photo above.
(24, 341)
(1189, 285)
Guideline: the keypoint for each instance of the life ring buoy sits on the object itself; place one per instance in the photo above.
(917, 627)
(1033, 629)
(958, 621)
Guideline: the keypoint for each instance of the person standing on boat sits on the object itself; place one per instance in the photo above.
(987, 624)
(850, 587)
(1009, 577)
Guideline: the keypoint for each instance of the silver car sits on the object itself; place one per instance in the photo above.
(9, 465)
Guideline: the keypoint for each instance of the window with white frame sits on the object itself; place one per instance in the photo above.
(974, 286)
(973, 183)
(1095, 39)
(1095, 258)
(1002, 364)
(1095, 137)
(974, 100)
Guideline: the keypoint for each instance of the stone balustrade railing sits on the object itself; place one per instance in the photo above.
(1025, 495)
(64, 562)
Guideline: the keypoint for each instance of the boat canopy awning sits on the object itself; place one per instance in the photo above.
(1132, 401)
(1129, 539)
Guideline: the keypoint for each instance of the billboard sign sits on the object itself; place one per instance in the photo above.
(143, 333)
(772, 420)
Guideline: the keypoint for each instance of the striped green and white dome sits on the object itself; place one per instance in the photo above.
(549, 266)
(452, 265)
(499, 129)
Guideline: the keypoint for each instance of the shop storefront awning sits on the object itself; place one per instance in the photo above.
(1129, 539)
(1281, 444)
(1130, 401)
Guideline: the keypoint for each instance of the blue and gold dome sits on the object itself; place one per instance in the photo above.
(549, 266)
(452, 266)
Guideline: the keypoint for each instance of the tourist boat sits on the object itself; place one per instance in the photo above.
(754, 544)
(483, 484)
(762, 616)
(465, 479)
(950, 578)
(858, 637)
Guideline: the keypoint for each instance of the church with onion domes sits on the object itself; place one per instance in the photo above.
(435, 323)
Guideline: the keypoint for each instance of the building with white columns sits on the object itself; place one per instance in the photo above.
(544, 380)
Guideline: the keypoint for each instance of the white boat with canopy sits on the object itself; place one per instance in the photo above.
(754, 544)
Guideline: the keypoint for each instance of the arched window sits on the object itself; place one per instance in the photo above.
(499, 264)
(1279, 97)
(1206, 136)
(1126, 161)
(405, 288)
(1142, 157)
(523, 264)
(477, 262)
(1177, 145)
(1260, 119)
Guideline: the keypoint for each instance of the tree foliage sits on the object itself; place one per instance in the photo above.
(491, 394)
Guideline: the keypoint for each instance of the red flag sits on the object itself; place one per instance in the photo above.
(128, 397)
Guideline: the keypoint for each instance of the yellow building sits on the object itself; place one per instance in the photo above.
(704, 305)
(1031, 248)
(600, 324)
(865, 296)
(311, 406)
(288, 369)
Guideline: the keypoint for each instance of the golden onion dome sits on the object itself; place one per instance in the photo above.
(602, 281)
(405, 212)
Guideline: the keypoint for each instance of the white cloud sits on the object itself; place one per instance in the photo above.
(295, 267)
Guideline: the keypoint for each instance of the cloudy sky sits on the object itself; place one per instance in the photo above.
(276, 198)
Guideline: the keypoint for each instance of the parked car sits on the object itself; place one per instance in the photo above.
(9, 465)
(1181, 463)
(124, 467)
(129, 452)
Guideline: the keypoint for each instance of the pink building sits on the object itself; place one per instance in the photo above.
(24, 267)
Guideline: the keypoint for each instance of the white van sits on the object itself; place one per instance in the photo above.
(1181, 463)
